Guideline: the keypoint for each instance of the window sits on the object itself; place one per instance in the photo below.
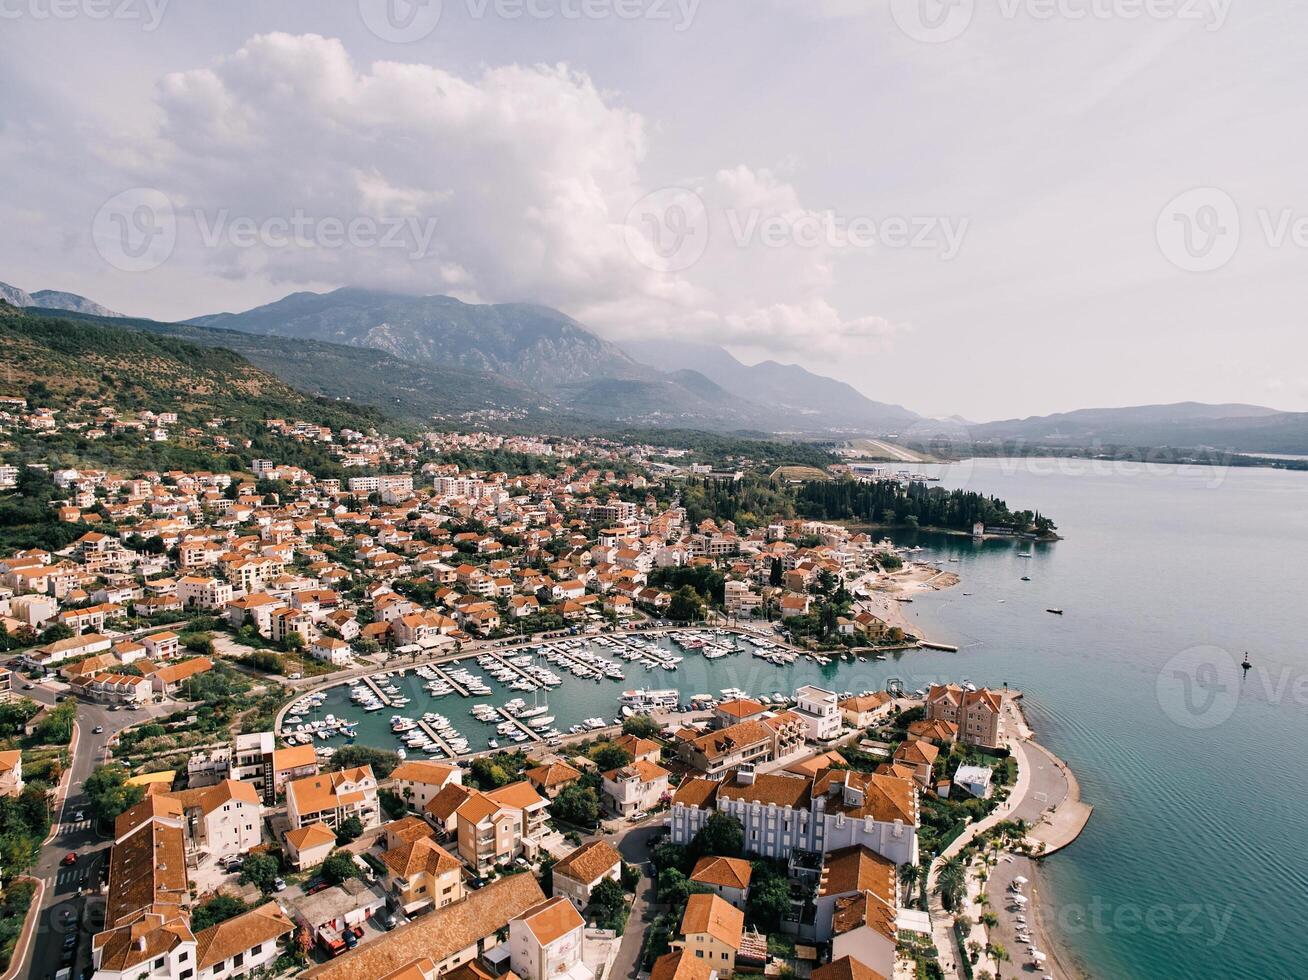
(699, 953)
(186, 974)
(257, 950)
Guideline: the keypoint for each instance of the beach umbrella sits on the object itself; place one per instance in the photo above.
(1020, 899)
(1038, 956)
(1019, 880)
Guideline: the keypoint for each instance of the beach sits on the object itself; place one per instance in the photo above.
(887, 593)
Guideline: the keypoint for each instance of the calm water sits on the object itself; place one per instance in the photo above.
(1195, 862)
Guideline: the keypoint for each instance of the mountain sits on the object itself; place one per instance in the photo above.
(810, 400)
(534, 345)
(1234, 427)
(78, 365)
(415, 392)
(52, 299)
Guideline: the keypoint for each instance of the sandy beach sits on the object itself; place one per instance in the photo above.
(888, 590)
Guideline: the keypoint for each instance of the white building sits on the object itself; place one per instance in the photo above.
(545, 942)
(820, 710)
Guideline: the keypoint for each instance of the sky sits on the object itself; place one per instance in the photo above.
(983, 208)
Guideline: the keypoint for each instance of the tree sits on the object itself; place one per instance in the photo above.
(686, 605)
(546, 875)
(260, 870)
(349, 830)
(673, 887)
(776, 574)
(609, 903)
(488, 774)
(630, 876)
(392, 804)
(722, 835)
(108, 794)
(769, 896)
(218, 909)
(577, 805)
(353, 756)
(292, 641)
(951, 883)
(608, 757)
(340, 866)
(642, 726)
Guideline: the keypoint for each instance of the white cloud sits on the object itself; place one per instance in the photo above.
(527, 174)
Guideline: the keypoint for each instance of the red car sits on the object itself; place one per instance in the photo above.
(70, 858)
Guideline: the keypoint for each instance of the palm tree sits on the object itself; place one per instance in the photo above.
(909, 876)
(951, 883)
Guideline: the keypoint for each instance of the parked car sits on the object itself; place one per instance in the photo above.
(27, 687)
(279, 884)
(70, 940)
(80, 815)
(98, 730)
(69, 859)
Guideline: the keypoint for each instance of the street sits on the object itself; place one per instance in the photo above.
(63, 884)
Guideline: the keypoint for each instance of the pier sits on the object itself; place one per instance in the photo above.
(462, 691)
(522, 726)
(431, 734)
(382, 696)
(516, 669)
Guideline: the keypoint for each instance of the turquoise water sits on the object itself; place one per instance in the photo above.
(1195, 863)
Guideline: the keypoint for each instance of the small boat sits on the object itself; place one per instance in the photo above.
(1056, 612)
(1026, 578)
(1246, 665)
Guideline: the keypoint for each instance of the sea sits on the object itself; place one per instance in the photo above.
(1195, 862)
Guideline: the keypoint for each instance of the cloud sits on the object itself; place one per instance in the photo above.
(516, 184)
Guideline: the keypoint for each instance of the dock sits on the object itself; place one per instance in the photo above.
(946, 647)
(431, 734)
(522, 726)
(462, 691)
(516, 669)
(382, 696)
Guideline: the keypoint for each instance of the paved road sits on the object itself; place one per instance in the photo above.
(633, 845)
(63, 884)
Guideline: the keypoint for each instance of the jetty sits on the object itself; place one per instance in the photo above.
(515, 668)
(930, 645)
(522, 726)
(463, 691)
(431, 734)
(382, 696)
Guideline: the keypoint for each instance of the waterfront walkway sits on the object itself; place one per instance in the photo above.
(1045, 795)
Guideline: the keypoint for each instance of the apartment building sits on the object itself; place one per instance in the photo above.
(11, 773)
(332, 798)
(197, 592)
(421, 875)
(712, 930)
(784, 813)
(820, 710)
(419, 781)
(546, 941)
(220, 821)
(979, 715)
(635, 787)
(496, 827)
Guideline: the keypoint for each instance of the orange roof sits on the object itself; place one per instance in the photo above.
(740, 708)
(310, 836)
(553, 774)
(423, 855)
(681, 965)
(857, 869)
(865, 909)
(238, 935)
(589, 863)
(519, 795)
(423, 771)
(551, 919)
(296, 757)
(323, 792)
(845, 968)
(448, 800)
(724, 871)
(697, 792)
(719, 919)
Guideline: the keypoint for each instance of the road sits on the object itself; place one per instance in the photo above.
(63, 884)
(633, 845)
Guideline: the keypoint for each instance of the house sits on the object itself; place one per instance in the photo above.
(332, 651)
(728, 877)
(74, 646)
(681, 965)
(847, 968)
(496, 827)
(173, 677)
(974, 779)
(441, 941)
(863, 711)
(334, 797)
(442, 811)
(162, 646)
(640, 749)
(918, 756)
(820, 710)
(576, 876)
(419, 781)
(979, 715)
(636, 787)
(296, 762)
(199, 592)
(551, 779)
(11, 773)
(945, 732)
(736, 710)
(329, 914)
(712, 930)
(244, 944)
(421, 875)
(546, 941)
(718, 752)
(310, 845)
